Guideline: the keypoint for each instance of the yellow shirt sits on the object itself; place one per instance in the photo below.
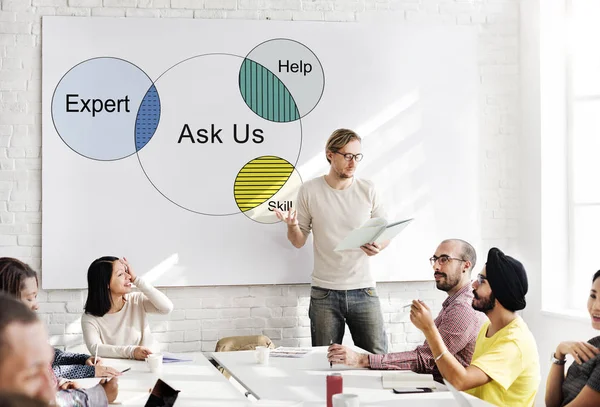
(510, 359)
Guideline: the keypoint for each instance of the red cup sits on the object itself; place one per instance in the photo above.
(335, 385)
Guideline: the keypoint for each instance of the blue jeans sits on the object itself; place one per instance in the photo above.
(329, 310)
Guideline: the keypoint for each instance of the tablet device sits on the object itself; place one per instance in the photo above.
(162, 395)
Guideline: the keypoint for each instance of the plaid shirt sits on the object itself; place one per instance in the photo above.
(458, 324)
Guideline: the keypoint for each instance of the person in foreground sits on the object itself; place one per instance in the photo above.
(115, 323)
(20, 281)
(505, 368)
(343, 289)
(457, 322)
(25, 358)
(19, 400)
(581, 386)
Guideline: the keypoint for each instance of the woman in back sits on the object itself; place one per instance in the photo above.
(581, 386)
(115, 323)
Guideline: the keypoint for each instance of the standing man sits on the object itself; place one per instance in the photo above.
(343, 290)
(505, 369)
(458, 322)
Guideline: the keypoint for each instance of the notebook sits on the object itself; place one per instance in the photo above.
(290, 352)
(406, 380)
(375, 230)
(173, 358)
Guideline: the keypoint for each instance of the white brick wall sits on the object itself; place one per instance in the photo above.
(204, 314)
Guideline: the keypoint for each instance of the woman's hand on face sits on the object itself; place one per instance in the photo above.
(141, 352)
(581, 351)
(128, 269)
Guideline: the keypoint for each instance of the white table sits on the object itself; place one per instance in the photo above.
(303, 379)
(200, 383)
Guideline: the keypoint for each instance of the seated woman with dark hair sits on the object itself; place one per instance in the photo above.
(581, 386)
(115, 322)
(20, 281)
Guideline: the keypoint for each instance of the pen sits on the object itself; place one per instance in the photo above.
(330, 363)
(406, 306)
(96, 355)
(110, 377)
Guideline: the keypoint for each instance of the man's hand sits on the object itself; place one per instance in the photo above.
(141, 352)
(291, 219)
(106, 371)
(371, 249)
(420, 315)
(581, 351)
(111, 388)
(68, 385)
(340, 354)
(92, 362)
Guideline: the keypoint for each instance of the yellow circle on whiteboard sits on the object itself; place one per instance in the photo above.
(259, 180)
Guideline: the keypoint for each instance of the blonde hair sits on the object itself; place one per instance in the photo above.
(338, 139)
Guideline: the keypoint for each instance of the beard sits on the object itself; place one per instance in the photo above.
(485, 304)
(447, 283)
(344, 173)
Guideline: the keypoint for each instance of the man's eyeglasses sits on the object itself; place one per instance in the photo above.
(350, 157)
(443, 259)
(481, 278)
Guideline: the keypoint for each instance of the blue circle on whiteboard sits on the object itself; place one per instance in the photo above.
(147, 118)
(105, 108)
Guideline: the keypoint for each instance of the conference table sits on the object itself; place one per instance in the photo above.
(199, 382)
(283, 382)
(303, 379)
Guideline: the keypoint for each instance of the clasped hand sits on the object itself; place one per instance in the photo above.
(581, 351)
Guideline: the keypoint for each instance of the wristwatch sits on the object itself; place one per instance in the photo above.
(557, 361)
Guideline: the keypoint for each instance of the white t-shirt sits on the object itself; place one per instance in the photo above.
(331, 214)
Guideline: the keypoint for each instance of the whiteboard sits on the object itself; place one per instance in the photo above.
(154, 130)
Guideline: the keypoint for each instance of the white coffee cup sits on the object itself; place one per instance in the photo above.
(262, 355)
(154, 362)
(345, 400)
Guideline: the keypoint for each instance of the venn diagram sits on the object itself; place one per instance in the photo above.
(216, 134)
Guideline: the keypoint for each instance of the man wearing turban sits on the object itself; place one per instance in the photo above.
(505, 367)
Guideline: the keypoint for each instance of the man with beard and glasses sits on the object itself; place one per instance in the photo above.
(505, 369)
(457, 322)
(343, 289)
